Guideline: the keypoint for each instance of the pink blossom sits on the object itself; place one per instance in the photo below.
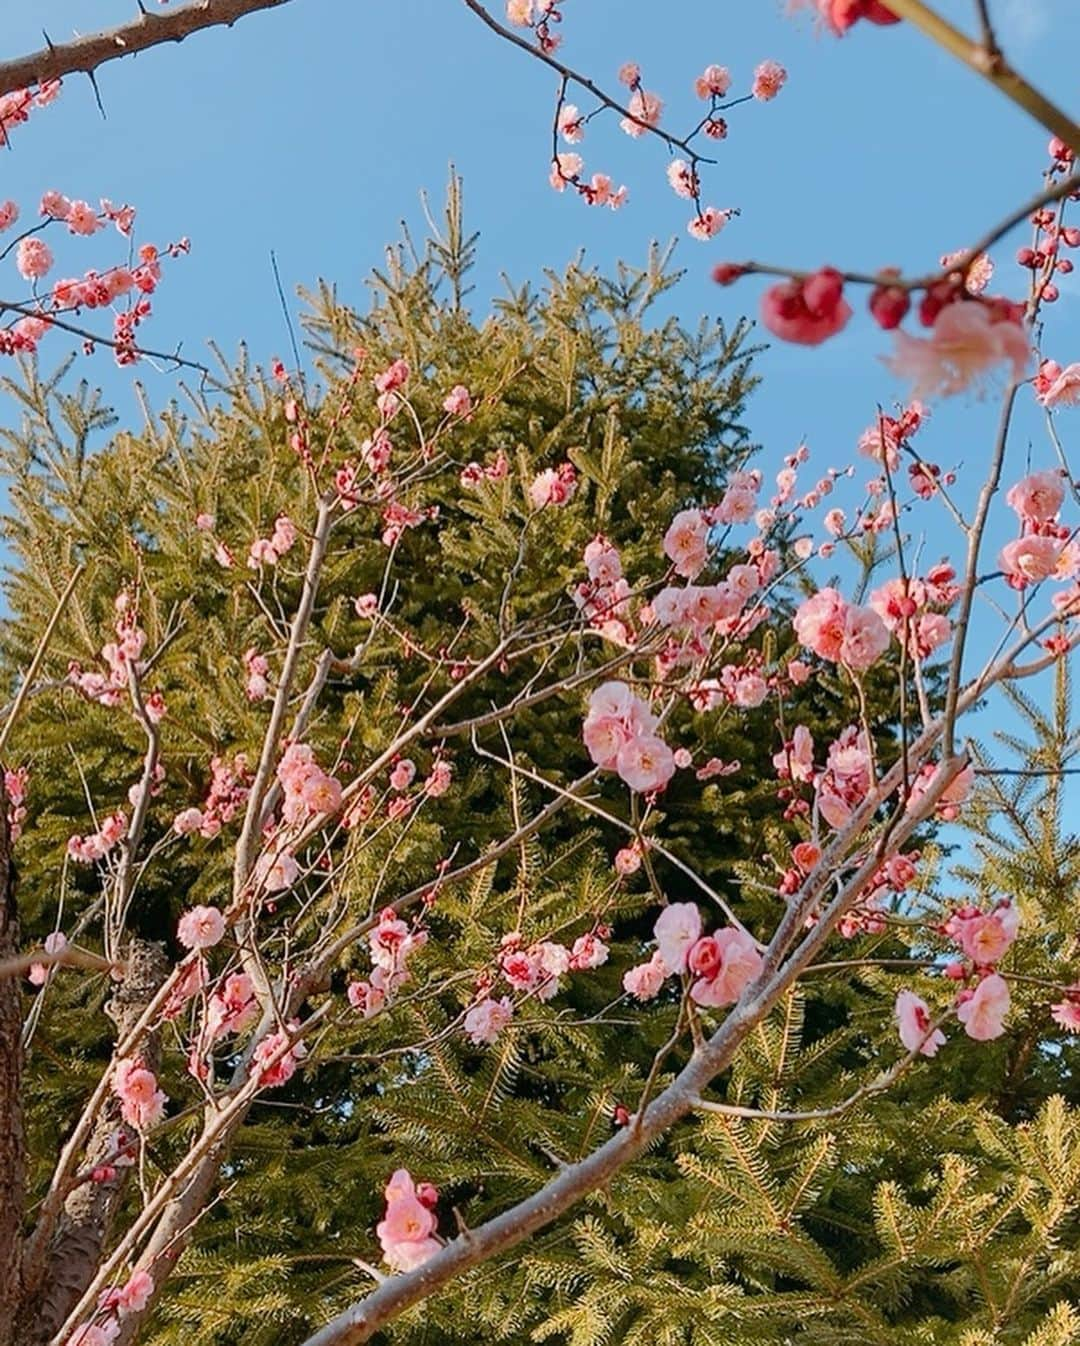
(968, 340)
(95, 1334)
(276, 872)
(553, 486)
(644, 982)
(866, 638)
(913, 1020)
(366, 998)
(708, 223)
(565, 168)
(1067, 1012)
(458, 402)
(571, 125)
(686, 543)
(519, 12)
(731, 961)
(9, 213)
(407, 1230)
(987, 937)
(201, 928)
(677, 929)
(273, 1073)
(366, 605)
(646, 109)
(1028, 560)
(769, 79)
(82, 218)
(627, 861)
(403, 774)
(808, 311)
(1038, 497)
(33, 258)
(1063, 389)
(819, 623)
(438, 782)
(983, 1013)
(629, 74)
(55, 205)
(233, 1008)
(713, 82)
(645, 763)
(589, 952)
(683, 179)
(131, 1297)
(486, 1019)
(393, 377)
(142, 1103)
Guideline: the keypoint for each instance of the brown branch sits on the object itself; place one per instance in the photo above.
(12, 1138)
(83, 55)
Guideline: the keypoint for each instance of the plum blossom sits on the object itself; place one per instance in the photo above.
(645, 981)
(486, 1019)
(913, 1021)
(841, 632)
(142, 1103)
(968, 340)
(807, 311)
(1029, 560)
(686, 543)
(1038, 497)
(33, 258)
(407, 1230)
(619, 733)
(769, 79)
(708, 223)
(713, 82)
(201, 928)
(645, 109)
(677, 930)
(553, 486)
(1057, 387)
(1067, 1012)
(273, 1073)
(724, 963)
(983, 1012)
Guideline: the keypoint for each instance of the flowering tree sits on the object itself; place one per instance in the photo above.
(322, 682)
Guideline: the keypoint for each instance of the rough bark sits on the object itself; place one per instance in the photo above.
(84, 55)
(75, 1251)
(12, 1139)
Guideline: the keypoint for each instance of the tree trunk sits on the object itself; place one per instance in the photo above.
(12, 1139)
(84, 1228)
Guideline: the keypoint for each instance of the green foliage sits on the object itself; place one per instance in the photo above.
(940, 1213)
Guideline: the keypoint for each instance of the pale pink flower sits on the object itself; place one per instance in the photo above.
(233, 1008)
(677, 930)
(913, 1021)
(1067, 1012)
(589, 952)
(646, 109)
(1064, 389)
(683, 179)
(627, 861)
(986, 938)
(708, 224)
(819, 623)
(55, 205)
(644, 982)
(519, 12)
(564, 169)
(9, 213)
(769, 79)
(686, 543)
(403, 774)
(486, 1019)
(82, 218)
(968, 340)
(458, 402)
(629, 74)
(273, 1073)
(726, 963)
(438, 782)
(983, 1013)
(713, 82)
(406, 1232)
(645, 763)
(605, 737)
(95, 1334)
(134, 1296)
(1028, 560)
(571, 126)
(866, 638)
(33, 258)
(142, 1103)
(979, 274)
(201, 928)
(1038, 497)
(275, 873)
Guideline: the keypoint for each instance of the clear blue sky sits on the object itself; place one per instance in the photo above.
(310, 130)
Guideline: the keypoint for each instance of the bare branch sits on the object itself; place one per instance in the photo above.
(83, 55)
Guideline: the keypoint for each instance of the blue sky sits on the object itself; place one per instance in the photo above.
(311, 129)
